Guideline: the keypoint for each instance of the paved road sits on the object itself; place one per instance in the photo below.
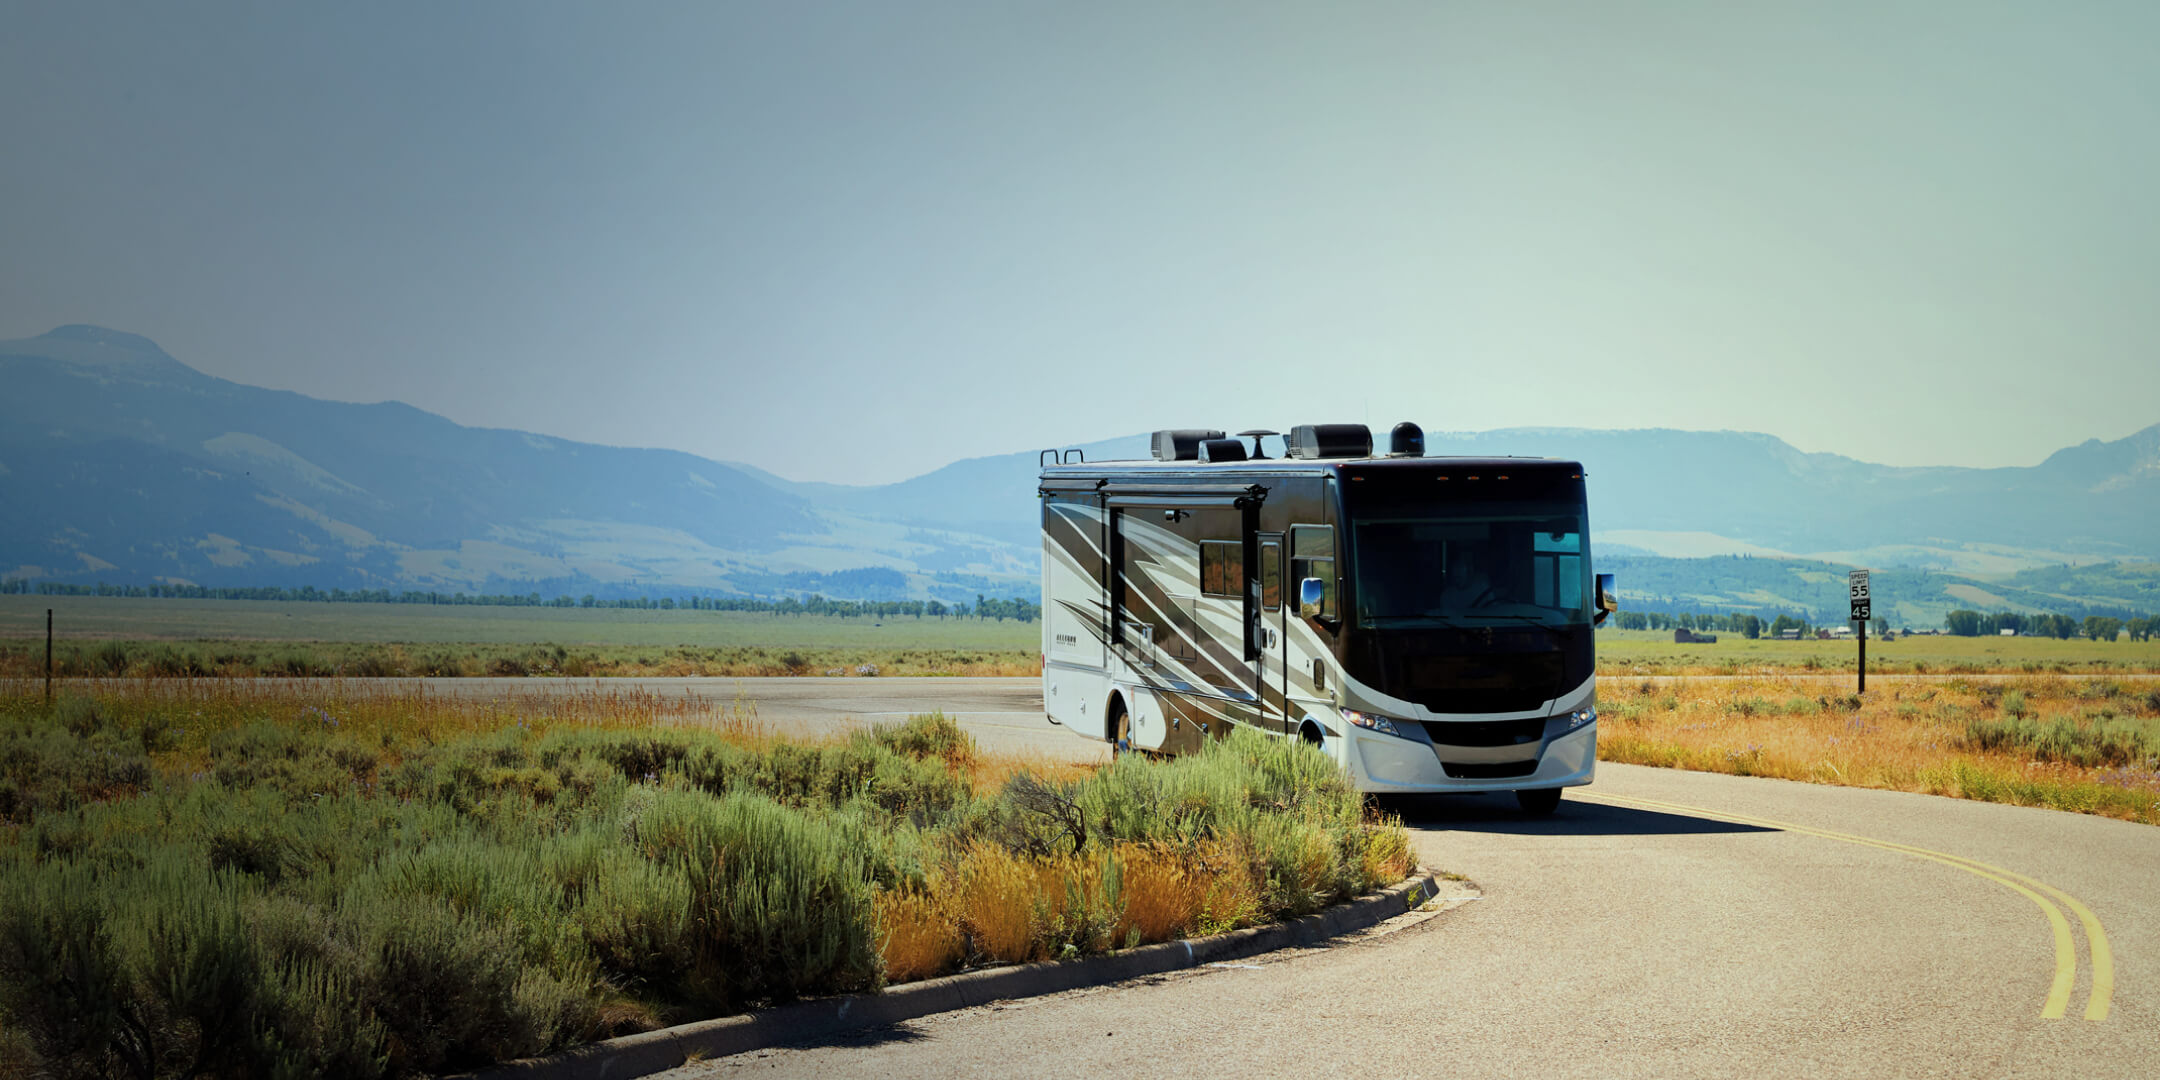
(1004, 715)
(1661, 924)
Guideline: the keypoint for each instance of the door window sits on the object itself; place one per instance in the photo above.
(1312, 555)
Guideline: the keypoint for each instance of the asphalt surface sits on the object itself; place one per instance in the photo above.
(1641, 931)
(1004, 715)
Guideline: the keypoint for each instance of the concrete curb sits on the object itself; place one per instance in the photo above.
(657, 1051)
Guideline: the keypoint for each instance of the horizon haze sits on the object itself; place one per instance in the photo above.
(1907, 234)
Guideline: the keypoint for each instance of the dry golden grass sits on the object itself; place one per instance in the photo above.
(1165, 894)
(999, 907)
(1233, 898)
(189, 712)
(992, 771)
(995, 893)
(1645, 652)
(1906, 736)
(917, 936)
(1387, 855)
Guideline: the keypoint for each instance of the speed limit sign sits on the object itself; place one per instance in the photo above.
(1862, 609)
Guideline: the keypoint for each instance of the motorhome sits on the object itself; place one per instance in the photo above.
(1426, 621)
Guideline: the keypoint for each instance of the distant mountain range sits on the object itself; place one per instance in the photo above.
(125, 465)
(122, 464)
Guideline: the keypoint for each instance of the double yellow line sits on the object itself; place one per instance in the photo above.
(2058, 999)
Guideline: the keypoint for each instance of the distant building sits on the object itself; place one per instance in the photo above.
(2007, 632)
(1789, 635)
(1684, 636)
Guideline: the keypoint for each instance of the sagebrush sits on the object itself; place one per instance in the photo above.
(214, 882)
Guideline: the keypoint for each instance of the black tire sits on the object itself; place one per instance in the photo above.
(1311, 735)
(1538, 802)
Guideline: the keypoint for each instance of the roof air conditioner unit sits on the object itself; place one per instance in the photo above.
(1311, 441)
(1182, 444)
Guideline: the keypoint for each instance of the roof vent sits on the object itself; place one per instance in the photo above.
(1223, 450)
(1329, 441)
(1407, 440)
(1182, 444)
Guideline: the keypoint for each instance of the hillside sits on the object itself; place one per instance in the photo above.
(138, 469)
(1905, 596)
(1702, 493)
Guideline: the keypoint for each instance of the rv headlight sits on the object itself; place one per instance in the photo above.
(1581, 718)
(1372, 722)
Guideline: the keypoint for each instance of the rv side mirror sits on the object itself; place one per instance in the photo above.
(1608, 601)
(1311, 592)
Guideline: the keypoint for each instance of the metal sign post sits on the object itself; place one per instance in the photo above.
(48, 658)
(1863, 609)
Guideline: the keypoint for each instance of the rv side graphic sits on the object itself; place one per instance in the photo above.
(1428, 622)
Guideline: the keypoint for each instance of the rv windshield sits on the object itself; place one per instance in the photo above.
(1483, 564)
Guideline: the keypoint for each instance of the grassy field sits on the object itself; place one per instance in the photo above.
(92, 617)
(225, 878)
(2086, 745)
(1624, 652)
(221, 637)
(104, 636)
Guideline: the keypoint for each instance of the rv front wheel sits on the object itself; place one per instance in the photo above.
(1538, 802)
(1120, 728)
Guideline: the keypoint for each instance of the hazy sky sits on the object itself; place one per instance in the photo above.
(857, 242)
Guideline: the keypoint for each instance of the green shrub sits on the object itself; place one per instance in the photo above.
(62, 981)
(451, 990)
(83, 756)
(2101, 740)
(932, 736)
(111, 658)
(636, 916)
(375, 665)
(780, 898)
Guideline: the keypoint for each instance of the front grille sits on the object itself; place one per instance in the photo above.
(1487, 770)
(1482, 682)
(1485, 732)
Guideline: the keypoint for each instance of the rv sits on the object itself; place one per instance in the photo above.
(1425, 621)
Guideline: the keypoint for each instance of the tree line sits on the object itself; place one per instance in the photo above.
(1747, 626)
(1967, 623)
(984, 607)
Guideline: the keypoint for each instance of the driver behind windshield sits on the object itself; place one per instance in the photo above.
(1464, 583)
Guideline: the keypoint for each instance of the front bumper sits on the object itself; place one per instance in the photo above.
(1388, 764)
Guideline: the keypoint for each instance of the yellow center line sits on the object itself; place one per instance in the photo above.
(2103, 958)
(2057, 1004)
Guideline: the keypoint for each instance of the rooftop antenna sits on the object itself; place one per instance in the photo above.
(1256, 435)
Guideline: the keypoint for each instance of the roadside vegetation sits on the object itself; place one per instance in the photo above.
(1620, 653)
(102, 617)
(1654, 652)
(231, 879)
(118, 658)
(2090, 745)
(105, 636)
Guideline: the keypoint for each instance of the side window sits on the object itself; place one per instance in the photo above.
(1271, 576)
(1222, 568)
(1557, 570)
(1312, 555)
